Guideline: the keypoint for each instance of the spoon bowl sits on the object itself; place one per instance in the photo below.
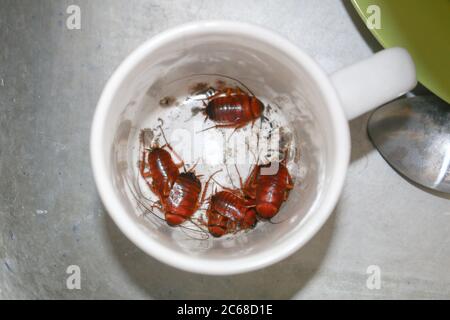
(413, 135)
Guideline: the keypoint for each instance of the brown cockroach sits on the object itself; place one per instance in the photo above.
(184, 198)
(228, 212)
(268, 191)
(162, 169)
(232, 108)
(149, 208)
(219, 225)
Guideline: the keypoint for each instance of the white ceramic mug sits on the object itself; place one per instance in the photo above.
(325, 105)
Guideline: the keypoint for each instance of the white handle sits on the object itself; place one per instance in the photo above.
(370, 83)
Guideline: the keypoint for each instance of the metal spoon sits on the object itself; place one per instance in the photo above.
(413, 135)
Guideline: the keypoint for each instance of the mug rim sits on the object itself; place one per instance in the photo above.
(203, 265)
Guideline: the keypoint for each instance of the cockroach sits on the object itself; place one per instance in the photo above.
(184, 198)
(268, 191)
(229, 212)
(232, 108)
(219, 225)
(162, 169)
(135, 191)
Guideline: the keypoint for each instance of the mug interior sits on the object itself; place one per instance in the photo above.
(273, 75)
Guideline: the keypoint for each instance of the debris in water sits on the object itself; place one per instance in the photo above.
(198, 87)
(167, 101)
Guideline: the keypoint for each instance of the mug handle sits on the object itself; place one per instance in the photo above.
(374, 81)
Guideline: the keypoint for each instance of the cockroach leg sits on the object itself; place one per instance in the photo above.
(241, 183)
(211, 177)
(229, 177)
(218, 126)
(181, 162)
(191, 169)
